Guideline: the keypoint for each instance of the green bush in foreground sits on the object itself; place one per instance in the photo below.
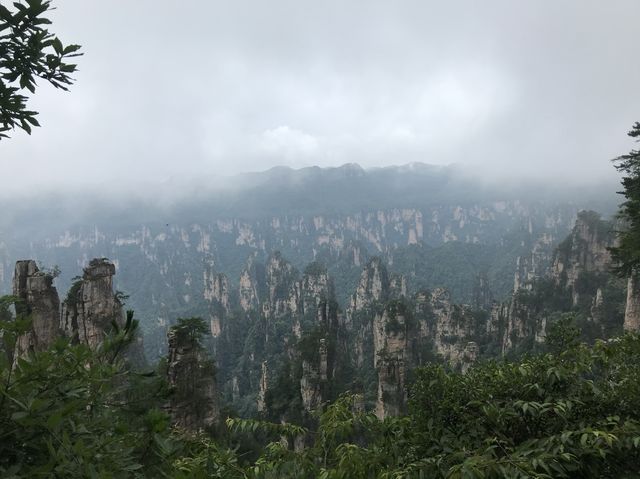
(75, 412)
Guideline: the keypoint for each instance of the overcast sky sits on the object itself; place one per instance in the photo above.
(207, 88)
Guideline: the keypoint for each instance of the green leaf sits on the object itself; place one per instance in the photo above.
(54, 421)
(57, 46)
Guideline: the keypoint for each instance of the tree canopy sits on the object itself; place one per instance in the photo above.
(28, 52)
(627, 253)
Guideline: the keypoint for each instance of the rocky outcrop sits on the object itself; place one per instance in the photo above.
(390, 349)
(518, 319)
(579, 280)
(283, 289)
(373, 286)
(91, 305)
(315, 373)
(584, 252)
(316, 297)
(86, 316)
(392, 395)
(249, 286)
(217, 294)
(535, 264)
(175, 253)
(469, 356)
(38, 300)
(318, 348)
(371, 294)
(193, 404)
(263, 386)
(447, 325)
(315, 288)
(271, 310)
(632, 308)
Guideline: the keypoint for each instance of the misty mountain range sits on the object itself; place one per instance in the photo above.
(436, 225)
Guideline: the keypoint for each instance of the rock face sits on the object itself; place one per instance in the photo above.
(250, 279)
(91, 304)
(536, 264)
(579, 281)
(584, 252)
(264, 386)
(193, 404)
(272, 308)
(516, 320)
(632, 309)
(371, 294)
(283, 292)
(373, 286)
(451, 327)
(314, 378)
(377, 330)
(217, 294)
(317, 348)
(39, 301)
(390, 348)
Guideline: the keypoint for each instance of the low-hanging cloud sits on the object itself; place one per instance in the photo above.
(194, 89)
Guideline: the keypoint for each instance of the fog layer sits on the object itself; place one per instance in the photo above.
(171, 91)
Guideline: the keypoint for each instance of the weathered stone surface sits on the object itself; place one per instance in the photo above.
(39, 301)
(264, 385)
(586, 250)
(392, 394)
(390, 349)
(283, 290)
(632, 310)
(373, 290)
(86, 315)
(316, 287)
(536, 264)
(373, 286)
(249, 285)
(319, 314)
(91, 305)
(314, 378)
(193, 404)
(469, 356)
(216, 292)
(450, 328)
(580, 268)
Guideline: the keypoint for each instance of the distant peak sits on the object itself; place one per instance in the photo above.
(351, 166)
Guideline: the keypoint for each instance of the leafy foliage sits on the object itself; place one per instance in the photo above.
(191, 329)
(572, 414)
(627, 253)
(68, 412)
(28, 51)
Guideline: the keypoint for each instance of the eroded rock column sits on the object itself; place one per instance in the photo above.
(38, 300)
